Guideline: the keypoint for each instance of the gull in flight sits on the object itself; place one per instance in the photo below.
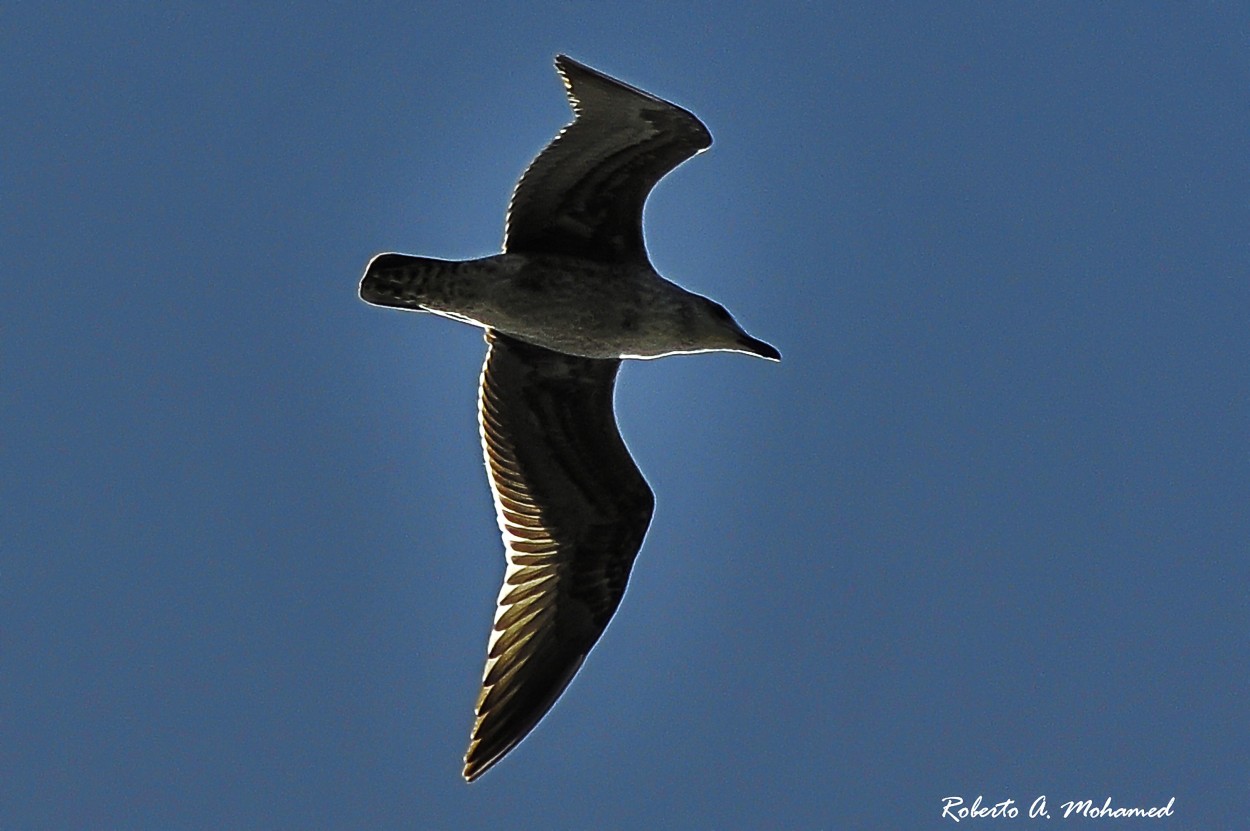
(571, 295)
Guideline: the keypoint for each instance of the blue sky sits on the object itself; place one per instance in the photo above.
(982, 532)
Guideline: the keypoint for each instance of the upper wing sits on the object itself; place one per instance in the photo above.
(583, 194)
(573, 509)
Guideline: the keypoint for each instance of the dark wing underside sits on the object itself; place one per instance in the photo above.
(583, 194)
(573, 509)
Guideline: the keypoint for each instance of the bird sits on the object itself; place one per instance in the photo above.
(572, 294)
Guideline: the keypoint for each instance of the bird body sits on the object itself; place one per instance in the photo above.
(572, 294)
(567, 304)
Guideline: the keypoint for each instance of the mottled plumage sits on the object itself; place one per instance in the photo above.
(571, 295)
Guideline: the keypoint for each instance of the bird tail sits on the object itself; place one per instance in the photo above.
(401, 281)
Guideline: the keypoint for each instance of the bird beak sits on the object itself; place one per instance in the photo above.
(754, 346)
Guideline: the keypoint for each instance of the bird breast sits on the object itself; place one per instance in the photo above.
(571, 305)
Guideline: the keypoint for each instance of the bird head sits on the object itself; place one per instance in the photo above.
(712, 328)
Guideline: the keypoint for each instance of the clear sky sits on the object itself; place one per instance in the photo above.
(984, 531)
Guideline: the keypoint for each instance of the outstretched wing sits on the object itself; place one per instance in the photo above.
(583, 194)
(573, 509)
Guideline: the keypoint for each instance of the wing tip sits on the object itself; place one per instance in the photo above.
(474, 767)
(497, 730)
(564, 64)
(571, 71)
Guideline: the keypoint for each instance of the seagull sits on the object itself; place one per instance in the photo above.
(571, 295)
